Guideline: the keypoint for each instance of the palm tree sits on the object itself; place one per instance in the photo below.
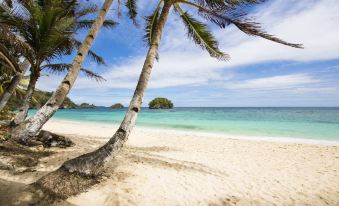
(220, 12)
(11, 72)
(24, 131)
(13, 81)
(47, 30)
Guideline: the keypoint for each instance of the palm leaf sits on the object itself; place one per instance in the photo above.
(132, 10)
(238, 19)
(56, 68)
(34, 100)
(247, 26)
(151, 23)
(15, 42)
(59, 68)
(92, 75)
(225, 5)
(5, 54)
(95, 57)
(87, 10)
(86, 24)
(199, 33)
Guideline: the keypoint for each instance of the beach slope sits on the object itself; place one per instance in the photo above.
(162, 167)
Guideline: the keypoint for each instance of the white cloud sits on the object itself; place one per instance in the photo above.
(274, 82)
(310, 22)
(313, 23)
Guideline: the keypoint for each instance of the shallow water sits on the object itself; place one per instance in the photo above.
(309, 123)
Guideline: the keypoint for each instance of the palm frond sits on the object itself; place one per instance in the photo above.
(87, 10)
(254, 29)
(199, 33)
(12, 17)
(15, 42)
(59, 68)
(132, 10)
(95, 57)
(86, 24)
(245, 25)
(92, 75)
(56, 68)
(238, 19)
(225, 5)
(151, 23)
(4, 53)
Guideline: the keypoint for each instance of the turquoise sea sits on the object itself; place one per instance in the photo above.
(309, 123)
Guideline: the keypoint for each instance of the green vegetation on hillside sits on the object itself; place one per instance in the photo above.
(160, 103)
(38, 100)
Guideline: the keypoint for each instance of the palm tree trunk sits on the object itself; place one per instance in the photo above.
(92, 163)
(22, 114)
(34, 124)
(14, 83)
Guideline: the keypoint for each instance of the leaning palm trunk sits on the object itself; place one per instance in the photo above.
(13, 84)
(22, 114)
(93, 163)
(31, 127)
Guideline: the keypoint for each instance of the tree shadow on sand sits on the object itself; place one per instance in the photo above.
(55, 187)
(146, 155)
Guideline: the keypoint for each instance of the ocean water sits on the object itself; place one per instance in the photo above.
(308, 123)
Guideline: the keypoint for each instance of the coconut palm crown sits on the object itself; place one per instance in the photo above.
(219, 12)
(43, 31)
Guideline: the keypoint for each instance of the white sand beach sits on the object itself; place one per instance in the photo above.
(164, 167)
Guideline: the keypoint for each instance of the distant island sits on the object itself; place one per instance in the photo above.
(86, 105)
(160, 103)
(117, 106)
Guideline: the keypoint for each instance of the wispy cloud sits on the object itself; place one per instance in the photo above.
(310, 22)
(274, 82)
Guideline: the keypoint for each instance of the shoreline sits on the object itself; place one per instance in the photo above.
(157, 167)
(277, 139)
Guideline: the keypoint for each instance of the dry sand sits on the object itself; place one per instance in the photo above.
(163, 167)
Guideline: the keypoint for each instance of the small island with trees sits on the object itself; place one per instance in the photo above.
(87, 106)
(160, 103)
(117, 106)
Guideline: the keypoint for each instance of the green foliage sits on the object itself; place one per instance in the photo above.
(226, 12)
(151, 23)
(132, 10)
(160, 103)
(220, 12)
(86, 105)
(40, 98)
(59, 68)
(6, 114)
(41, 31)
(199, 33)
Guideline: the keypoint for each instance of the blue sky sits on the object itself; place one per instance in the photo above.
(259, 73)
